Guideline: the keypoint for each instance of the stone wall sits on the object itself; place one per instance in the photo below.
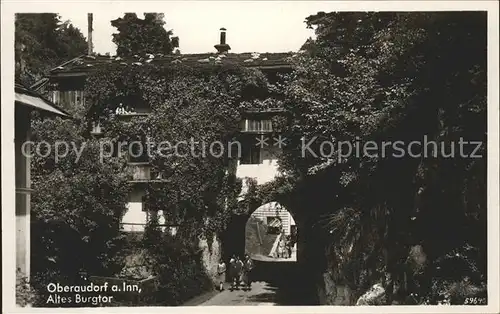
(211, 255)
(330, 293)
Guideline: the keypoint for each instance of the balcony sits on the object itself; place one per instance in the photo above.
(142, 111)
(141, 172)
(256, 126)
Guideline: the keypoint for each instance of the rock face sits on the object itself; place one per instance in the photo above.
(331, 293)
(418, 256)
(374, 296)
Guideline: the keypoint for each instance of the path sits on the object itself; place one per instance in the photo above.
(264, 258)
(277, 282)
(261, 293)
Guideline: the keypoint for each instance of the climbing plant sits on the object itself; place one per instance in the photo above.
(195, 113)
(386, 77)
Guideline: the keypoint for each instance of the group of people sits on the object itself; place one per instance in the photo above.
(284, 249)
(239, 272)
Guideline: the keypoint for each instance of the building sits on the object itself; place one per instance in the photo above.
(67, 82)
(26, 101)
(260, 163)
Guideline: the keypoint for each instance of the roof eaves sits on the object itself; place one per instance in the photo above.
(39, 84)
(67, 62)
(22, 90)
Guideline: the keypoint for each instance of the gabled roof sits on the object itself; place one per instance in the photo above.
(26, 97)
(83, 64)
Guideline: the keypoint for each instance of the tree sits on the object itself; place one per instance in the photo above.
(43, 42)
(385, 77)
(77, 205)
(141, 36)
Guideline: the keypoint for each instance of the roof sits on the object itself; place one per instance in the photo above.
(26, 97)
(83, 64)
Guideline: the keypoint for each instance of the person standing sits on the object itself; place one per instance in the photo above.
(248, 271)
(282, 248)
(239, 272)
(232, 271)
(289, 247)
(221, 272)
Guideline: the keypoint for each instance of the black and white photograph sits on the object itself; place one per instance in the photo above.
(305, 155)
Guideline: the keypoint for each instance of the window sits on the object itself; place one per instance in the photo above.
(138, 151)
(274, 225)
(116, 150)
(145, 208)
(250, 155)
(68, 98)
(96, 128)
(257, 126)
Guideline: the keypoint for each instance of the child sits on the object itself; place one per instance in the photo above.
(221, 271)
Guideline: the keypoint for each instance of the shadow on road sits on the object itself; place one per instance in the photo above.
(287, 284)
(263, 297)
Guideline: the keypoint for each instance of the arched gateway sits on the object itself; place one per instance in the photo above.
(271, 233)
(262, 233)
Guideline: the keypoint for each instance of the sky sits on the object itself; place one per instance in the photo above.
(251, 26)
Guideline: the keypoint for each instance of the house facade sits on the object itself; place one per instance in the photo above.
(67, 83)
(261, 148)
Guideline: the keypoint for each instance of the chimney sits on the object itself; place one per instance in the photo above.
(222, 47)
(90, 19)
(223, 36)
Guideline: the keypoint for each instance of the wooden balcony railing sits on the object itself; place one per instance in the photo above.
(140, 171)
(256, 126)
(143, 172)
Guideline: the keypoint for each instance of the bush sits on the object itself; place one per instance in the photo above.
(25, 295)
(178, 263)
(77, 205)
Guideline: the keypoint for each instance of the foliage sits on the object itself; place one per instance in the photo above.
(387, 77)
(194, 118)
(197, 189)
(43, 41)
(25, 295)
(177, 261)
(77, 205)
(141, 36)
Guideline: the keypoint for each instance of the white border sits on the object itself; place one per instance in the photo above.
(8, 9)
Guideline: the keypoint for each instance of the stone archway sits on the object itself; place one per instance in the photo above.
(271, 232)
(234, 237)
(298, 273)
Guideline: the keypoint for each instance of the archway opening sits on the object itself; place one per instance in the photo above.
(271, 234)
